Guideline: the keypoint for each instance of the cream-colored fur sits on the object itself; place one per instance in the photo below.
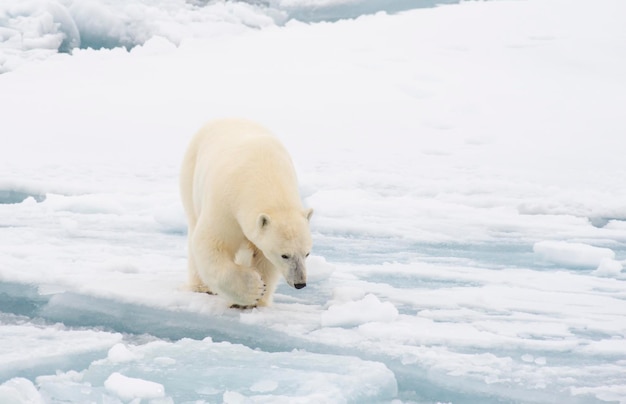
(247, 225)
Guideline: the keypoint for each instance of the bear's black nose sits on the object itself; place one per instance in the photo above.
(299, 285)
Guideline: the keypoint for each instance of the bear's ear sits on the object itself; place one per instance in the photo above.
(263, 221)
(308, 213)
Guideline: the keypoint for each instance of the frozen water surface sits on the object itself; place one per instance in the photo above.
(465, 163)
(192, 370)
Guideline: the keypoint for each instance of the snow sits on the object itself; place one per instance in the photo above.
(465, 164)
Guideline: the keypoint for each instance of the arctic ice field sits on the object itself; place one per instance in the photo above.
(466, 163)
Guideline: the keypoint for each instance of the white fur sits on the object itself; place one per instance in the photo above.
(240, 194)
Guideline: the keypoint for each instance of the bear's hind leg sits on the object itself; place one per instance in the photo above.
(195, 282)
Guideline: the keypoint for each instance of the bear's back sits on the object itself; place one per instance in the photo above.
(239, 162)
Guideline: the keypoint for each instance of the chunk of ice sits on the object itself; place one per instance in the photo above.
(19, 391)
(120, 353)
(130, 388)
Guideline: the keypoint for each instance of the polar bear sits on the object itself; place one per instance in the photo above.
(246, 222)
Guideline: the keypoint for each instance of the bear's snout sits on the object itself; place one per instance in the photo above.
(299, 285)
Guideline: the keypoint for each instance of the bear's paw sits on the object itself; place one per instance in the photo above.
(249, 289)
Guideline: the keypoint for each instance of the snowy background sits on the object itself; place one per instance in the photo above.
(466, 163)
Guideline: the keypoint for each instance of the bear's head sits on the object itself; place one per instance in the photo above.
(285, 240)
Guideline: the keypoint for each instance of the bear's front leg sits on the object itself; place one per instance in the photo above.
(270, 275)
(240, 285)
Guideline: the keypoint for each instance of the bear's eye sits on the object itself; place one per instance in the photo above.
(307, 254)
(285, 256)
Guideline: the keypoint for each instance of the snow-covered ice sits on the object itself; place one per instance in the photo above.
(465, 163)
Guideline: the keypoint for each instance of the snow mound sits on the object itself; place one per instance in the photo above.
(572, 254)
(609, 267)
(318, 269)
(350, 314)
